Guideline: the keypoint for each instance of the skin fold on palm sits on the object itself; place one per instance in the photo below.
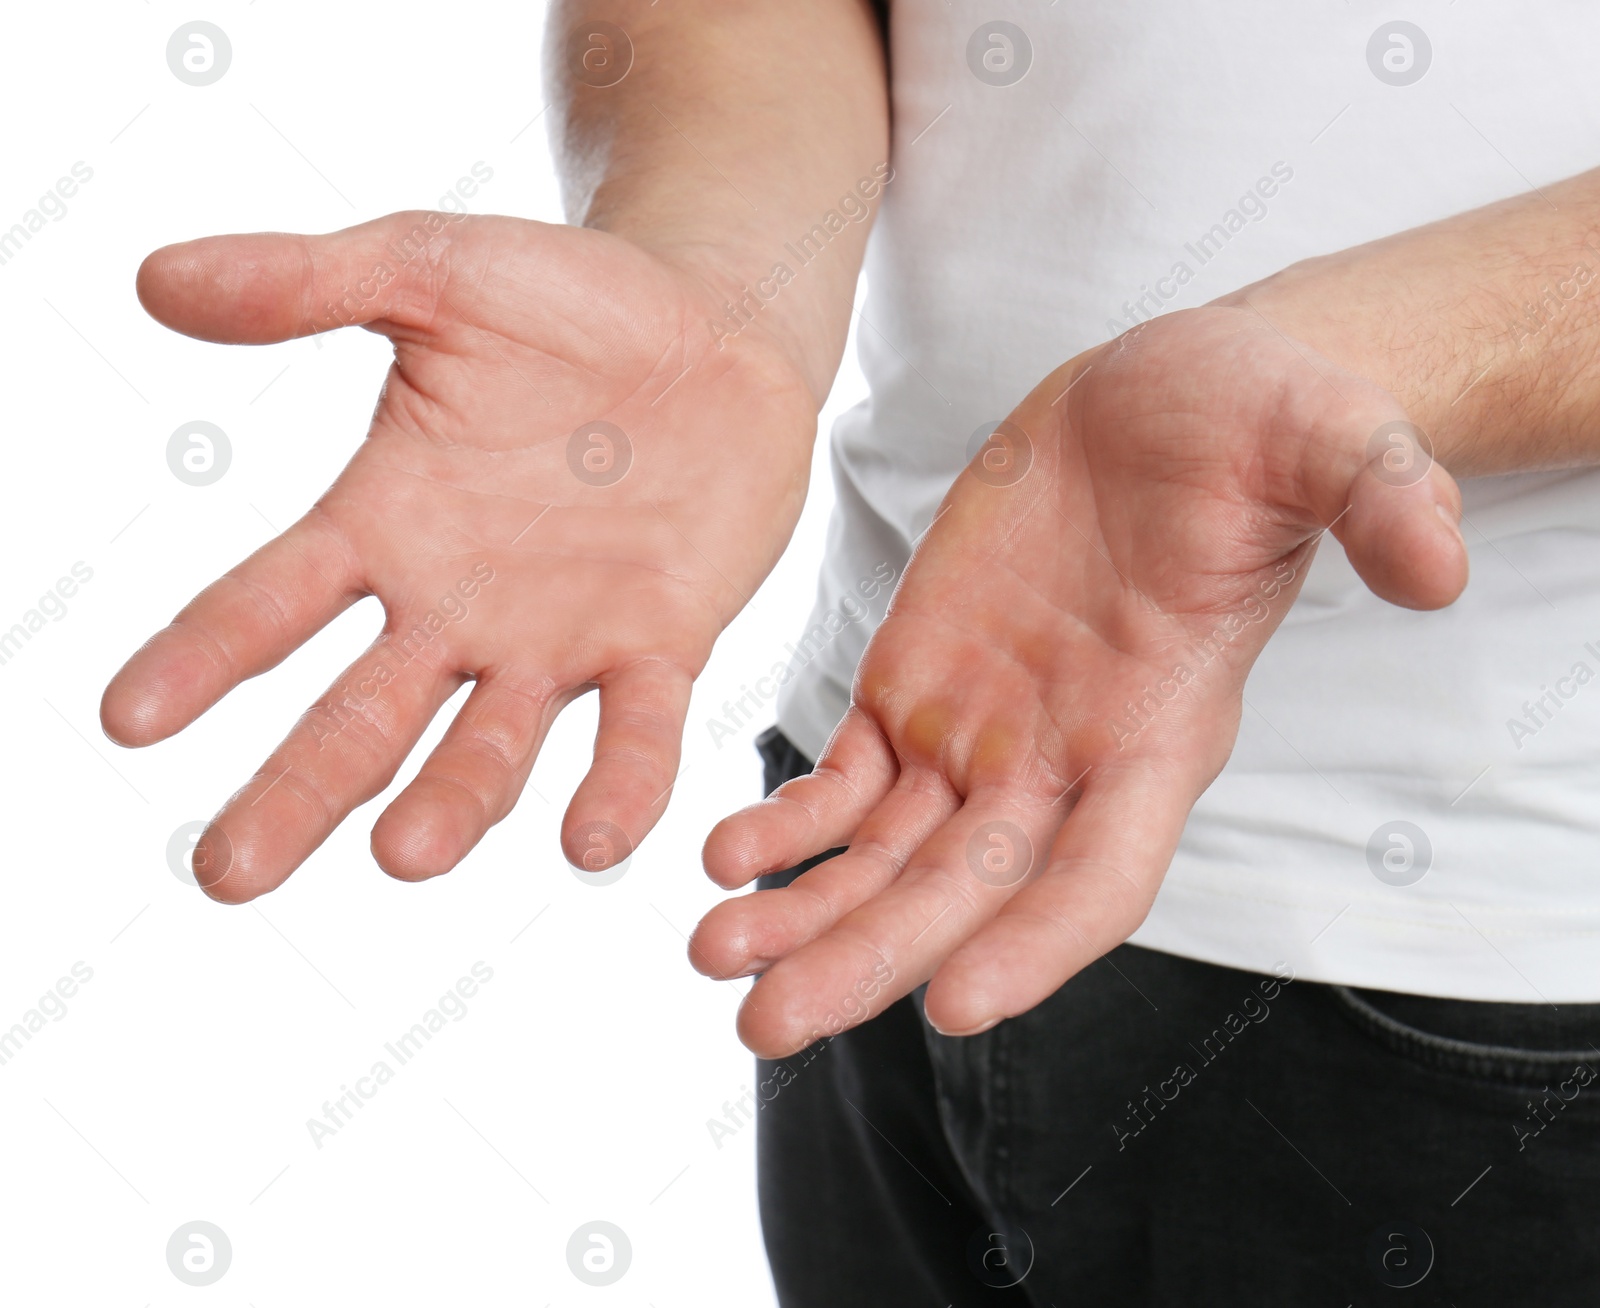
(1060, 675)
(565, 486)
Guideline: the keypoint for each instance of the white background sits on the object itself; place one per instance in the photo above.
(179, 1082)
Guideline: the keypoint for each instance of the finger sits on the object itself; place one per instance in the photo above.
(810, 814)
(893, 943)
(472, 779)
(1096, 888)
(1402, 536)
(748, 934)
(637, 746)
(342, 752)
(272, 286)
(241, 625)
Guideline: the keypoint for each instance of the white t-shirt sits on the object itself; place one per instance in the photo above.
(1151, 157)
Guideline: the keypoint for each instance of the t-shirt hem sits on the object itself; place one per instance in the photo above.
(1436, 950)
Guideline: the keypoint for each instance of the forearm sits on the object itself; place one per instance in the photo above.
(1486, 326)
(739, 127)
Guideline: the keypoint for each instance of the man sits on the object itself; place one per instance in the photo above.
(1348, 1049)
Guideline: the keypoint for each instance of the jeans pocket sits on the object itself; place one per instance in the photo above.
(1507, 1044)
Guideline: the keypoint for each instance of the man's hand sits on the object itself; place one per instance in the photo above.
(1060, 675)
(565, 485)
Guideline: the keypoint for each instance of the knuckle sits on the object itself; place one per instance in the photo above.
(459, 785)
(266, 604)
(492, 748)
(308, 796)
(635, 758)
(210, 645)
(879, 856)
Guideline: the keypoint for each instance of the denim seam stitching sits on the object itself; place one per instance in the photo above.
(1449, 1054)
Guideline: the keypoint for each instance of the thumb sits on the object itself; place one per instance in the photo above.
(1400, 527)
(261, 287)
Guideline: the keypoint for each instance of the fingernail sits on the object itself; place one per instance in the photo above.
(755, 967)
(970, 1031)
(1449, 519)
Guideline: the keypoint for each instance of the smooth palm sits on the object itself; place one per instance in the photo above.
(610, 562)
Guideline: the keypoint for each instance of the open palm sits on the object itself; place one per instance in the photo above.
(565, 485)
(1060, 675)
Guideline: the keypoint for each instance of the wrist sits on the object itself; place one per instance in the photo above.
(802, 314)
(753, 292)
(1350, 311)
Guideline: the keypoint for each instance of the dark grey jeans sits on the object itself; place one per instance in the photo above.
(1165, 1132)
